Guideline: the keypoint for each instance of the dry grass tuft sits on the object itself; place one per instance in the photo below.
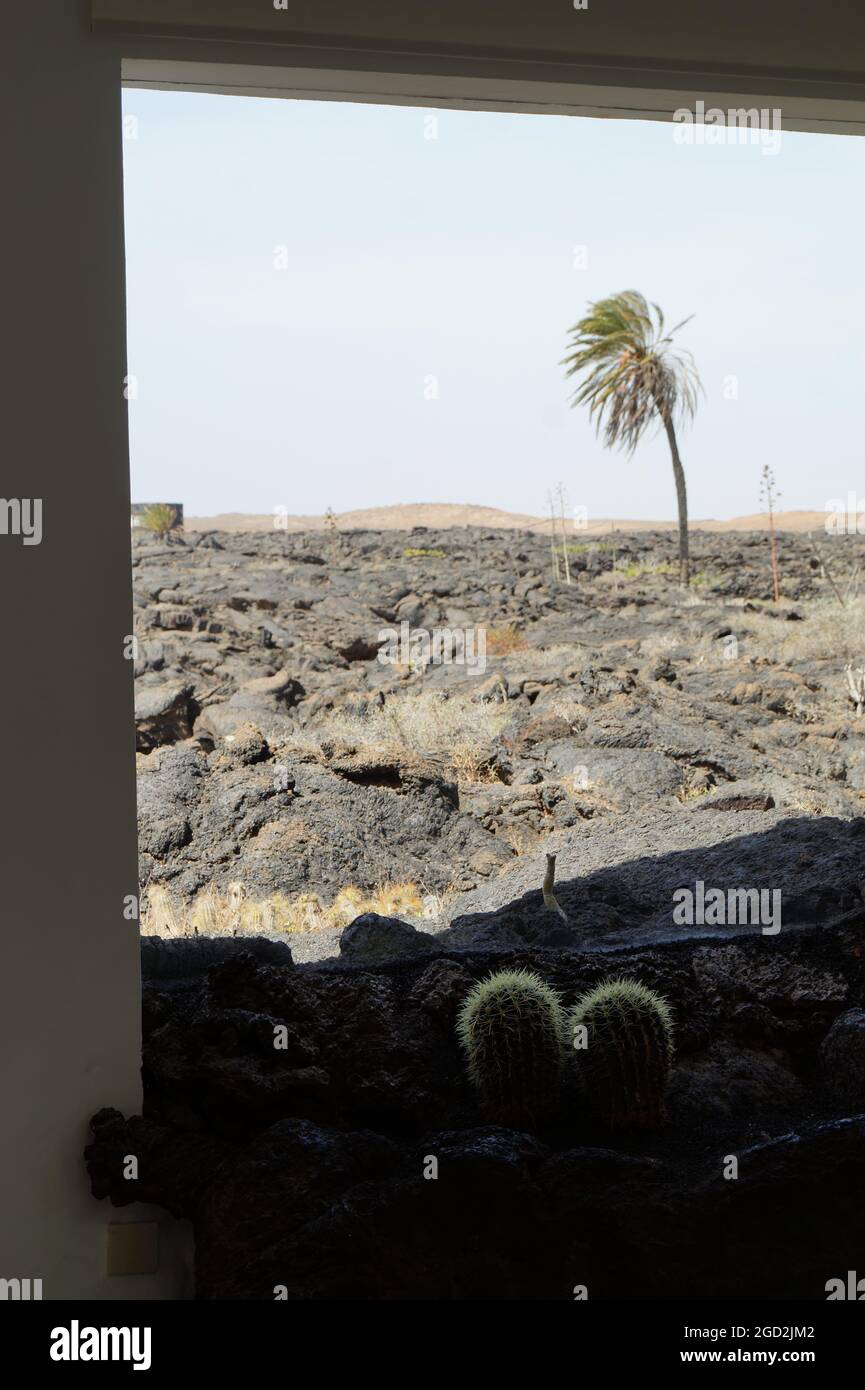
(232, 913)
(827, 632)
(158, 914)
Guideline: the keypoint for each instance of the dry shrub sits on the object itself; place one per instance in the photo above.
(472, 765)
(503, 640)
(454, 728)
(521, 839)
(692, 791)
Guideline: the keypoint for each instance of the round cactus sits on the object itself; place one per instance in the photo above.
(623, 1035)
(512, 1029)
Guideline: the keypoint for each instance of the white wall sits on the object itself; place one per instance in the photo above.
(69, 962)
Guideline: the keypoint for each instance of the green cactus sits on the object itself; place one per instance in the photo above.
(625, 1065)
(512, 1029)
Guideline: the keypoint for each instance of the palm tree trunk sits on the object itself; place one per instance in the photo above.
(681, 499)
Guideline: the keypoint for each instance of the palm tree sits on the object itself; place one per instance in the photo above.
(634, 377)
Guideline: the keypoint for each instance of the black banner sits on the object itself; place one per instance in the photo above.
(251, 1338)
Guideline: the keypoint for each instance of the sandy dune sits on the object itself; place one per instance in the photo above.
(437, 515)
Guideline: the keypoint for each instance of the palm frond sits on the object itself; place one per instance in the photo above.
(632, 376)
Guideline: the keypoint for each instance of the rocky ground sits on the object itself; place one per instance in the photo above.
(279, 755)
(387, 826)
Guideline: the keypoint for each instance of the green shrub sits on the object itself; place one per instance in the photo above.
(641, 569)
(159, 518)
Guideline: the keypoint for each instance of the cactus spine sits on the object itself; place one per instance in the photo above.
(512, 1029)
(624, 1065)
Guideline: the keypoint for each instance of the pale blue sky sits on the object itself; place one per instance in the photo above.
(410, 258)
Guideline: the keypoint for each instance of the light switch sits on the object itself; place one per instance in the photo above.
(133, 1247)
